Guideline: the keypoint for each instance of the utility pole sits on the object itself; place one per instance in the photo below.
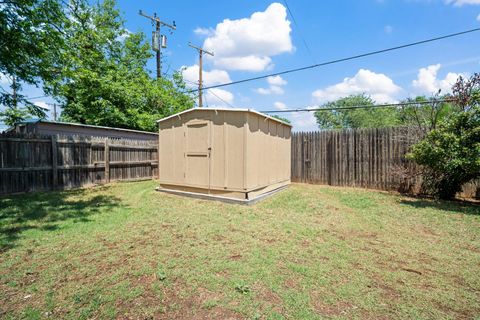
(55, 112)
(54, 105)
(156, 36)
(200, 67)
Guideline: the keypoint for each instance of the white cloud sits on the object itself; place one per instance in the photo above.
(460, 3)
(280, 105)
(428, 83)
(301, 121)
(304, 121)
(276, 81)
(270, 90)
(249, 43)
(212, 97)
(275, 86)
(248, 63)
(377, 85)
(478, 18)
(218, 98)
(212, 77)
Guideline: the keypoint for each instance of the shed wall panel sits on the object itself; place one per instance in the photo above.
(218, 173)
(268, 145)
(177, 151)
(234, 154)
(166, 144)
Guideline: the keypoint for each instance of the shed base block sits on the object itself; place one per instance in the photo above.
(245, 198)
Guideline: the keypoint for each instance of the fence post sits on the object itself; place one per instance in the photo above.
(54, 162)
(107, 161)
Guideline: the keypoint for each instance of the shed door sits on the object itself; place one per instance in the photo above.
(198, 154)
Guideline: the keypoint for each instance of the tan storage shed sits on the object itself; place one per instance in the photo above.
(229, 153)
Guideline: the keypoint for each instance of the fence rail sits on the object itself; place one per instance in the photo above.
(37, 163)
(368, 158)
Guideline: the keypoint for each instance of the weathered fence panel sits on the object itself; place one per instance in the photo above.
(367, 158)
(38, 163)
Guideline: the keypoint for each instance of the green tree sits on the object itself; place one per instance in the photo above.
(450, 153)
(425, 116)
(104, 79)
(31, 41)
(356, 118)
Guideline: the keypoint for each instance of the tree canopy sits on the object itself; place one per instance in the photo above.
(94, 66)
(359, 118)
(425, 116)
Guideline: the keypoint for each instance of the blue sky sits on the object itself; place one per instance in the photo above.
(252, 38)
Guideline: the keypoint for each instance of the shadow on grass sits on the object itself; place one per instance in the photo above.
(452, 206)
(44, 211)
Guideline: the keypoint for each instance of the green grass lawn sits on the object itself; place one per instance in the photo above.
(309, 252)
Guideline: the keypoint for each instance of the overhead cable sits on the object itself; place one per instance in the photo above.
(374, 106)
(358, 56)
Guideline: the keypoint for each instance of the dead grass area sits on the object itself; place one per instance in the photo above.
(310, 252)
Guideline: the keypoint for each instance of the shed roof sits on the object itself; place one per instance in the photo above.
(225, 109)
(84, 126)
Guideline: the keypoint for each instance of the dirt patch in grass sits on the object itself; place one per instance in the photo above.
(427, 231)
(471, 248)
(455, 313)
(292, 283)
(215, 312)
(182, 303)
(269, 298)
(337, 309)
(389, 294)
(235, 257)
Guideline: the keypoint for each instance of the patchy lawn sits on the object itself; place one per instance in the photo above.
(310, 252)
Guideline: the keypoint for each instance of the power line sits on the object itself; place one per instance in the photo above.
(299, 30)
(32, 98)
(189, 81)
(363, 55)
(386, 105)
(212, 92)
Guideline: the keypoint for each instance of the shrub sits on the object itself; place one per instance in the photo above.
(450, 154)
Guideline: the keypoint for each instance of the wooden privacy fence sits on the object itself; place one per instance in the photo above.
(37, 163)
(368, 158)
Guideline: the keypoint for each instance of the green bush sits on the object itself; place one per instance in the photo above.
(450, 154)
